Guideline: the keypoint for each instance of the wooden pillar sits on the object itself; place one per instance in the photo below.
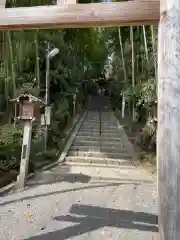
(168, 137)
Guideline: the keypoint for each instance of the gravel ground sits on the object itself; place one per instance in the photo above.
(79, 208)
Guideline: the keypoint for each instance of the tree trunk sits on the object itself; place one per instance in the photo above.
(145, 46)
(37, 58)
(154, 50)
(124, 70)
(133, 77)
(5, 71)
(21, 50)
(12, 71)
(12, 63)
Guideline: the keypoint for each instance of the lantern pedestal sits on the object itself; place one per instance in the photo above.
(26, 145)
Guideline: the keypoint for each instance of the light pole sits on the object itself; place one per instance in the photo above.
(49, 55)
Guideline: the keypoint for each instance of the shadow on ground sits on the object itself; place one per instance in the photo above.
(82, 178)
(58, 175)
(94, 185)
(52, 178)
(89, 218)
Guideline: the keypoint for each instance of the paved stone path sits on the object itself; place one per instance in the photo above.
(98, 194)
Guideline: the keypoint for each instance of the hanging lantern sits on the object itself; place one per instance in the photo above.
(26, 110)
(28, 107)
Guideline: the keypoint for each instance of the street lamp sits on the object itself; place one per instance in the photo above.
(53, 52)
(49, 55)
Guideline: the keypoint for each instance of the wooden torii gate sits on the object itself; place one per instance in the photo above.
(67, 14)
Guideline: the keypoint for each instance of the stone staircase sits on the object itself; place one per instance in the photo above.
(100, 139)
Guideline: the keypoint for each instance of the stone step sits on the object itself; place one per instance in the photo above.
(95, 165)
(98, 149)
(99, 143)
(96, 131)
(98, 138)
(96, 122)
(108, 174)
(89, 129)
(98, 160)
(92, 118)
(103, 131)
(103, 121)
(105, 128)
(110, 124)
(120, 155)
(96, 134)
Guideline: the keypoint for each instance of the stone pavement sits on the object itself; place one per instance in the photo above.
(98, 193)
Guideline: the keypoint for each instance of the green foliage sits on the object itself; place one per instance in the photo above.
(148, 91)
(142, 93)
(10, 140)
(9, 135)
(62, 109)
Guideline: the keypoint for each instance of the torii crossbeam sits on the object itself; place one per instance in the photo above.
(80, 15)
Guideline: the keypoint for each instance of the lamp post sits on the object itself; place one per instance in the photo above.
(49, 55)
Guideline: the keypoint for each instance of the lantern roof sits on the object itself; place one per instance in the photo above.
(27, 96)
